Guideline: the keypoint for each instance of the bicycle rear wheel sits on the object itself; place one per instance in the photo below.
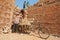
(43, 33)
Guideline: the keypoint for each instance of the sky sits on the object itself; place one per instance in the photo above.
(20, 2)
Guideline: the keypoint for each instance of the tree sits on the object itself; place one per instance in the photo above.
(26, 4)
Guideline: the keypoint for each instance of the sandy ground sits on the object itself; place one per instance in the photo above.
(17, 36)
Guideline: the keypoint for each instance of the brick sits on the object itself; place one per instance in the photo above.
(49, 14)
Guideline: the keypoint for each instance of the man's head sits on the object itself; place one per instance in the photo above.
(24, 13)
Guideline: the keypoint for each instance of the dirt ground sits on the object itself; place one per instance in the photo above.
(17, 36)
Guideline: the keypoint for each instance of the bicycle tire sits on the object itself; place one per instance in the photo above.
(44, 33)
(28, 29)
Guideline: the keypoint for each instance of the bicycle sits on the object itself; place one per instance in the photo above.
(42, 31)
(6, 30)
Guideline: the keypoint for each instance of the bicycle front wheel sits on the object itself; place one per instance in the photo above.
(43, 33)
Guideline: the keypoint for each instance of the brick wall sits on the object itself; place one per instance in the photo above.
(48, 14)
(6, 12)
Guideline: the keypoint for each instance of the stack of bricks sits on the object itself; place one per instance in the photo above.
(48, 14)
(6, 12)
